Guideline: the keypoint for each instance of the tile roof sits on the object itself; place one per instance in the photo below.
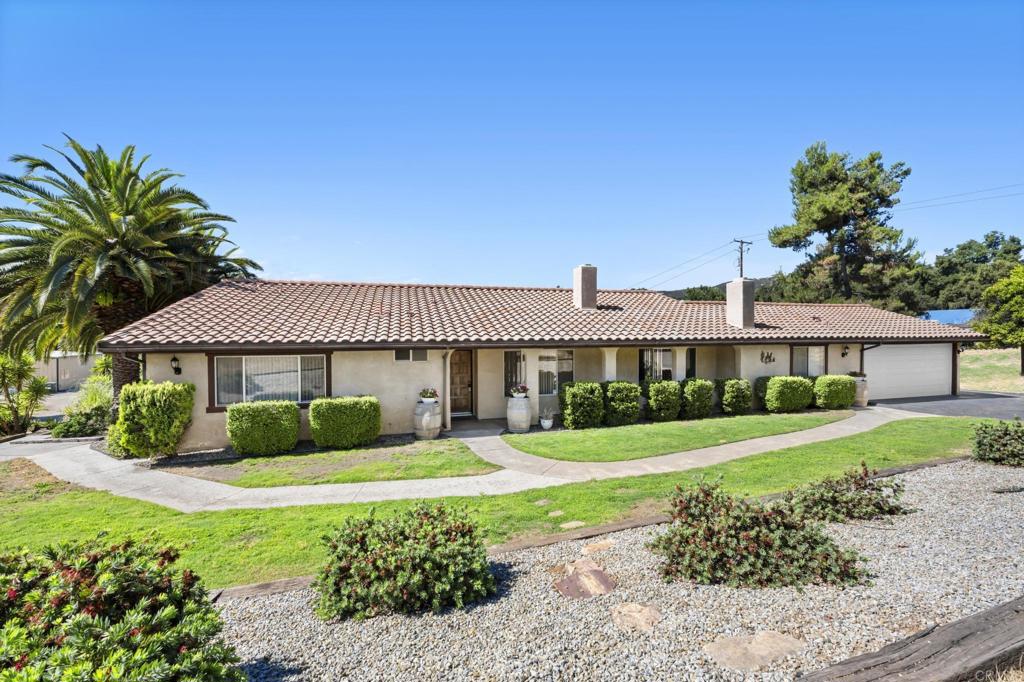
(253, 313)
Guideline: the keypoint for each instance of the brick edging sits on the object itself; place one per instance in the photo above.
(289, 584)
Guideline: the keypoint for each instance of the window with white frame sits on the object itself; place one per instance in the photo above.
(655, 364)
(808, 361)
(553, 369)
(410, 355)
(247, 378)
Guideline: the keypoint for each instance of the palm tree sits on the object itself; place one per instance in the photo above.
(99, 247)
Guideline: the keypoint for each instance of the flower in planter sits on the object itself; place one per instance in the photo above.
(429, 394)
(519, 389)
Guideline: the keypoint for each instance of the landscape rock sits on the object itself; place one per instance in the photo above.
(569, 525)
(633, 617)
(543, 502)
(749, 652)
(583, 579)
(556, 512)
(595, 547)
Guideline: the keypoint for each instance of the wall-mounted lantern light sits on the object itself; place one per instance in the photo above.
(176, 365)
(846, 351)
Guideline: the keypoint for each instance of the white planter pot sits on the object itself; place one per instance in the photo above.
(428, 401)
(861, 397)
(518, 395)
(518, 414)
(547, 423)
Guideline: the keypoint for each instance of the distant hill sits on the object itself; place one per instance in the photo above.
(702, 292)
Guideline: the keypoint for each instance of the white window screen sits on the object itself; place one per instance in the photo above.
(297, 378)
(547, 375)
(808, 361)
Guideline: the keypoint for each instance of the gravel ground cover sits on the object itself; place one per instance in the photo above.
(958, 554)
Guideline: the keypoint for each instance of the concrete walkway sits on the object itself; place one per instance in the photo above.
(79, 464)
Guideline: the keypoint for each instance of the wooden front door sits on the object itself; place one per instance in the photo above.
(462, 381)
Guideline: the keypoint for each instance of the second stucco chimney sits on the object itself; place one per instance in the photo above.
(584, 287)
(739, 303)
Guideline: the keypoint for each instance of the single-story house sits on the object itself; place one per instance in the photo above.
(260, 340)
(65, 370)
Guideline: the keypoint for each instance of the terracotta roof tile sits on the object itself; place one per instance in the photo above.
(265, 312)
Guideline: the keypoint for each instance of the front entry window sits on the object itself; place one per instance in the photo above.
(808, 361)
(515, 370)
(655, 364)
(554, 368)
(297, 378)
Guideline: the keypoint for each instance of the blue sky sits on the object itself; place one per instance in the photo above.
(505, 142)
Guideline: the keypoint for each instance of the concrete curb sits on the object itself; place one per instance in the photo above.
(289, 584)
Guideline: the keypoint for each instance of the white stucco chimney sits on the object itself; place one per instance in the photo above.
(739, 303)
(584, 287)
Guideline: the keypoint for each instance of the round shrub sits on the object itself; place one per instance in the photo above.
(621, 403)
(1000, 442)
(717, 539)
(698, 397)
(666, 400)
(737, 396)
(99, 611)
(834, 391)
(151, 418)
(344, 422)
(424, 558)
(77, 423)
(263, 427)
(584, 405)
(788, 394)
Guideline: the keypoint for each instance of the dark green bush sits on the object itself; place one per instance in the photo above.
(562, 388)
(835, 391)
(584, 405)
(1000, 442)
(698, 396)
(666, 400)
(788, 394)
(263, 427)
(717, 539)
(78, 423)
(854, 495)
(720, 390)
(151, 418)
(344, 422)
(621, 403)
(420, 559)
(737, 396)
(98, 611)
(761, 389)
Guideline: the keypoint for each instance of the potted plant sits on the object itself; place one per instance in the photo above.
(861, 397)
(428, 395)
(547, 419)
(519, 390)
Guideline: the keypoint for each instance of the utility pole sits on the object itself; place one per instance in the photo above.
(742, 246)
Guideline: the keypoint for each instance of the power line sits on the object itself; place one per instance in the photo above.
(698, 257)
(961, 194)
(962, 201)
(727, 254)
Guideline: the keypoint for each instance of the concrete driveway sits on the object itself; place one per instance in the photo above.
(967, 404)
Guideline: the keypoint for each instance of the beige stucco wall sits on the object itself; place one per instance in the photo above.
(750, 365)
(489, 389)
(837, 364)
(588, 364)
(395, 384)
(627, 364)
(66, 372)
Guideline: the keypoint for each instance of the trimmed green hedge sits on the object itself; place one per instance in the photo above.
(737, 396)
(789, 394)
(621, 403)
(1000, 442)
(761, 389)
(344, 422)
(151, 418)
(698, 398)
(666, 400)
(264, 427)
(835, 391)
(583, 405)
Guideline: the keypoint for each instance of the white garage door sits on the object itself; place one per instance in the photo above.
(909, 370)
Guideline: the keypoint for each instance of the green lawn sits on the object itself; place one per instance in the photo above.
(991, 370)
(422, 459)
(647, 440)
(244, 546)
